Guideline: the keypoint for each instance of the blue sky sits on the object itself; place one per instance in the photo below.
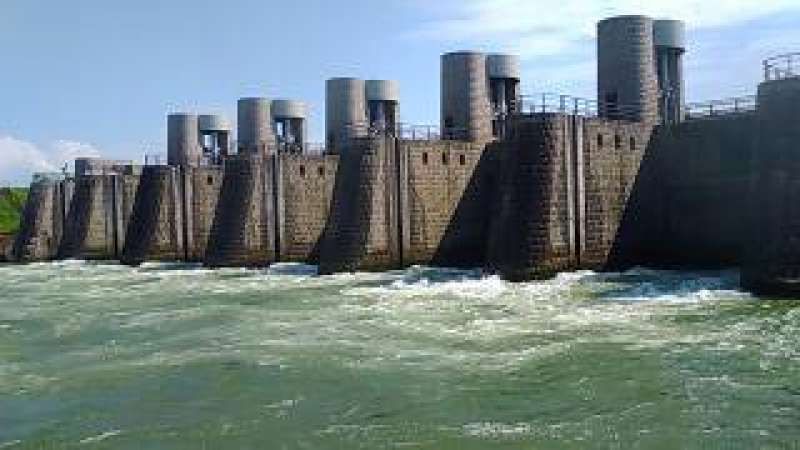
(97, 77)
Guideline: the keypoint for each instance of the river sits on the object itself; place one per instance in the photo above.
(179, 357)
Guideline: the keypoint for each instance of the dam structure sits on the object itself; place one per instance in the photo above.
(522, 186)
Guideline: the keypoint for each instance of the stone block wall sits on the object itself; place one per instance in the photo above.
(564, 190)
(243, 231)
(42, 221)
(125, 200)
(95, 226)
(690, 206)
(362, 232)
(6, 248)
(531, 231)
(156, 230)
(449, 191)
(561, 193)
(611, 154)
(201, 188)
(303, 204)
(772, 265)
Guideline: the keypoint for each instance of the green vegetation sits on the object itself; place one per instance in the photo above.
(12, 200)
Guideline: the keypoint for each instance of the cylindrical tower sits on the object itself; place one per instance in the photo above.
(669, 37)
(183, 141)
(383, 99)
(466, 113)
(215, 137)
(504, 79)
(626, 73)
(255, 126)
(345, 112)
(289, 123)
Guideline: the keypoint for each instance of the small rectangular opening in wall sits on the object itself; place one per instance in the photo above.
(425, 158)
(445, 158)
(462, 159)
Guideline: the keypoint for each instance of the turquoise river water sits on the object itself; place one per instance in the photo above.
(97, 356)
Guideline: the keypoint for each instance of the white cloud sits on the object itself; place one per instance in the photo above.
(65, 152)
(20, 159)
(21, 155)
(536, 28)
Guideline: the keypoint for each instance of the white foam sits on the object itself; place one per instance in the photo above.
(100, 437)
(423, 317)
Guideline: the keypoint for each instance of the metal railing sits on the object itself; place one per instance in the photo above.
(722, 107)
(782, 66)
(154, 159)
(289, 147)
(405, 131)
(314, 148)
(568, 104)
(415, 132)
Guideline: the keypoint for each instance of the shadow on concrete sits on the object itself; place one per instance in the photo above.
(466, 239)
(690, 205)
(76, 228)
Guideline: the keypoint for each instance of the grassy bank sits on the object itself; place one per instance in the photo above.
(12, 200)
